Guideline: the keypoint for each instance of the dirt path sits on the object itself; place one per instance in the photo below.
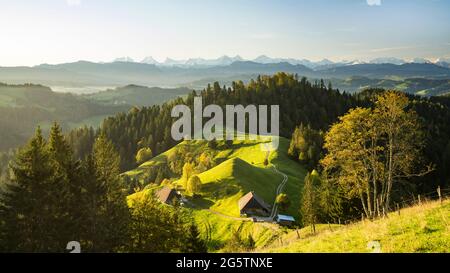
(280, 188)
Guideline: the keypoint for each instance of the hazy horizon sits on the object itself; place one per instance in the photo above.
(60, 31)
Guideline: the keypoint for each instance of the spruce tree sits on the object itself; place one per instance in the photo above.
(114, 214)
(27, 206)
(194, 243)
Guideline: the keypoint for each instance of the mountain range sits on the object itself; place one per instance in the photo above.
(195, 73)
(263, 59)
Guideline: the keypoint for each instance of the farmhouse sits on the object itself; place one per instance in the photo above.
(167, 195)
(252, 205)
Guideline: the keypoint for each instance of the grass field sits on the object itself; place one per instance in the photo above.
(241, 169)
(423, 228)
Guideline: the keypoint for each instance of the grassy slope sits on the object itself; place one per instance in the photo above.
(417, 229)
(241, 170)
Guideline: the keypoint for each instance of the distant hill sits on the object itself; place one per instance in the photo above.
(23, 107)
(122, 73)
(408, 70)
(137, 95)
(416, 86)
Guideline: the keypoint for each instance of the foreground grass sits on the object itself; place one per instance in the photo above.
(422, 228)
(218, 230)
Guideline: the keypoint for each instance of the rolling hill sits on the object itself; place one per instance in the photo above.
(240, 169)
(136, 95)
(23, 107)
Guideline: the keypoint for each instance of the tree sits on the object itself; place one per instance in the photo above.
(283, 201)
(306, 146)
(194, 243)
(67, 187)
(143, 155)
(158, 229)
(309, 201)
(446, 162)
(212, 144)
(194, 185)
(27, 205)
(159, 176)
(330, 200)
(368, 150)
(403, 140)
(114, 215)
(349, 158)
(188, 171)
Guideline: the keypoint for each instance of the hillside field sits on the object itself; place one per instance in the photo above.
(422, 228)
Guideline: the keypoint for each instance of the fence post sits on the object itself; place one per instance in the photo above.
(439, 193)
(362, 216)
(420, 203)
(378, 207)
(384, 213)
(298, 235)
(339, 221)
(398, 208)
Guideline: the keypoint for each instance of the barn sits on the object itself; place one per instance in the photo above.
(252, 205)
(168, 196)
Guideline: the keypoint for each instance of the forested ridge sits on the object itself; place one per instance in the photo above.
(314, 105)
(300, 102)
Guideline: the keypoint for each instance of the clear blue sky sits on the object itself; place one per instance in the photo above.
(54, 31)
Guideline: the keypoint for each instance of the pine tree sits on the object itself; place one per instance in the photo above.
(66, 189)
(27, 206)
(194, 243)
(114, 215)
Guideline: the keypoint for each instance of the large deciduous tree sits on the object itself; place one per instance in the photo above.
(369, 150)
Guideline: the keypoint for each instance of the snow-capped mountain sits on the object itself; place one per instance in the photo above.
(149, 60)
(264, 59)
(124, 59)
(388, 60)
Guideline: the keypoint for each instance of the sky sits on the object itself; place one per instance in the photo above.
(56, 31)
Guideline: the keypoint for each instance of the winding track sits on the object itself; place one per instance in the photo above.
(279, 190)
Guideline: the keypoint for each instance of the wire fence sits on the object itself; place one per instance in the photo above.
(438, 194)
